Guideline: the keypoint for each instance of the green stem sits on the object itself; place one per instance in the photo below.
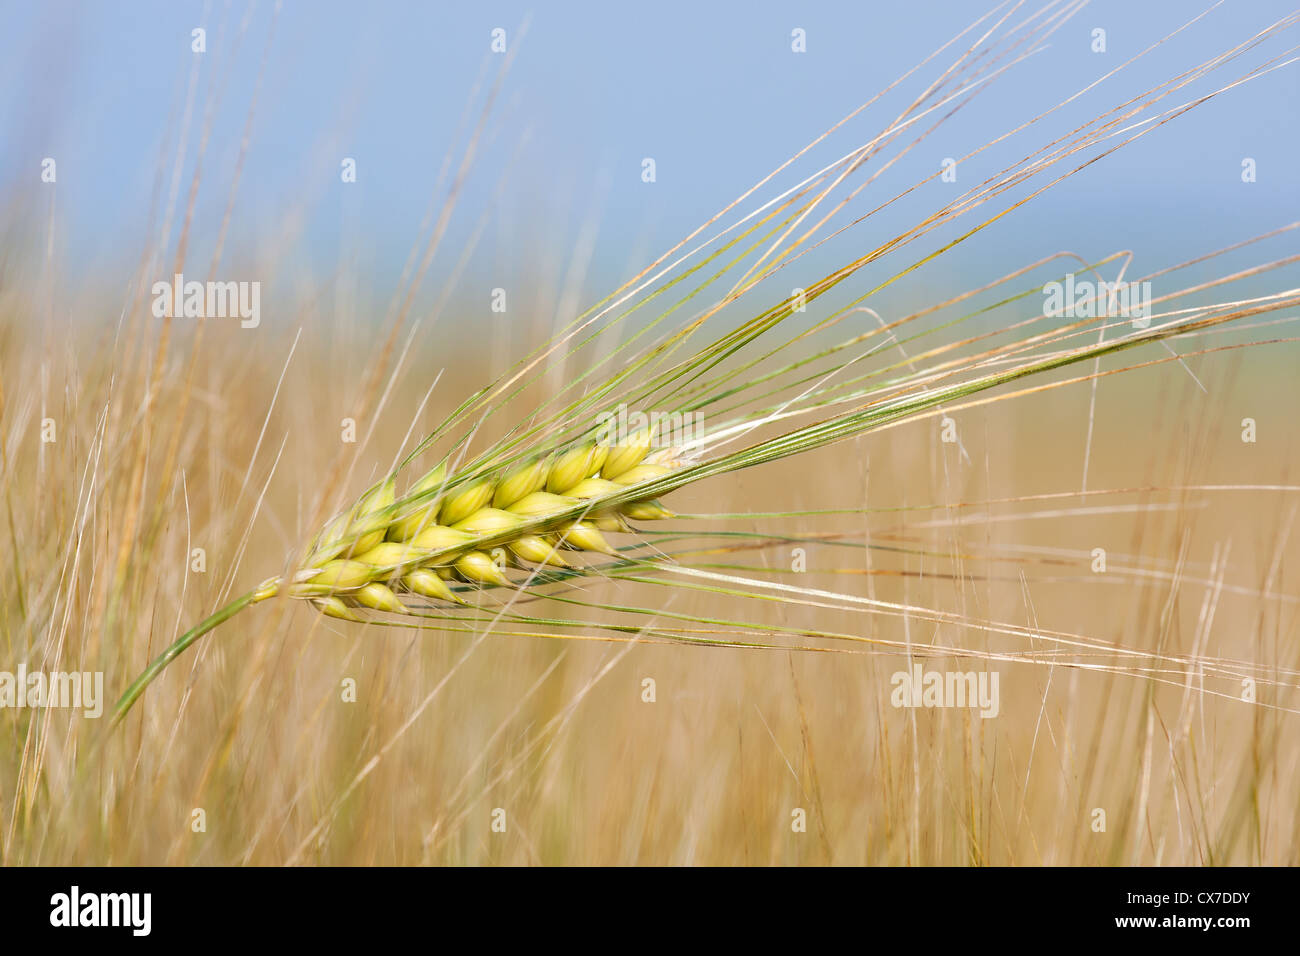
(185, 640)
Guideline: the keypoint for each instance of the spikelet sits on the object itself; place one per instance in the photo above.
(340, 575)
(334, 607)
(541, 503)
(461, 504)
(426, 583)
(379, 597)
(439, 537)
(434, 539)
(584, 536)
(358, 529)
(488, 521)
(390, 554)
(627, 455)
(521, 483)
(412, 523)
(650, 510)
(537, 549)
(640, 473)
(478, 566)
(574, 465)
(590, 488)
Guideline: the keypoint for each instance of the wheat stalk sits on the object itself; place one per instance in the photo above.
(444, 528)
(554, 487)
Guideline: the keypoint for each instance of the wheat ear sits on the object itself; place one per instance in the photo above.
(440, 529)
(531, 508)
(436, 533)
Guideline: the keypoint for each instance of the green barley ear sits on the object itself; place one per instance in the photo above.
(553, 487)
(382, 547)
(442, 529)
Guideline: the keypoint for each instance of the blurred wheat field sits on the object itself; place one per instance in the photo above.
(1117, 548)
(445, 728)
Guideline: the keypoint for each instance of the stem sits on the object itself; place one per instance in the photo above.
(185, 640)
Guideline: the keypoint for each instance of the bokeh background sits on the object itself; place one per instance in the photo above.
(250, 727)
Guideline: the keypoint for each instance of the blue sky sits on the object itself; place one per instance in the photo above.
(711, 91)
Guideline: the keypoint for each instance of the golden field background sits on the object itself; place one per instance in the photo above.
(250, 726)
